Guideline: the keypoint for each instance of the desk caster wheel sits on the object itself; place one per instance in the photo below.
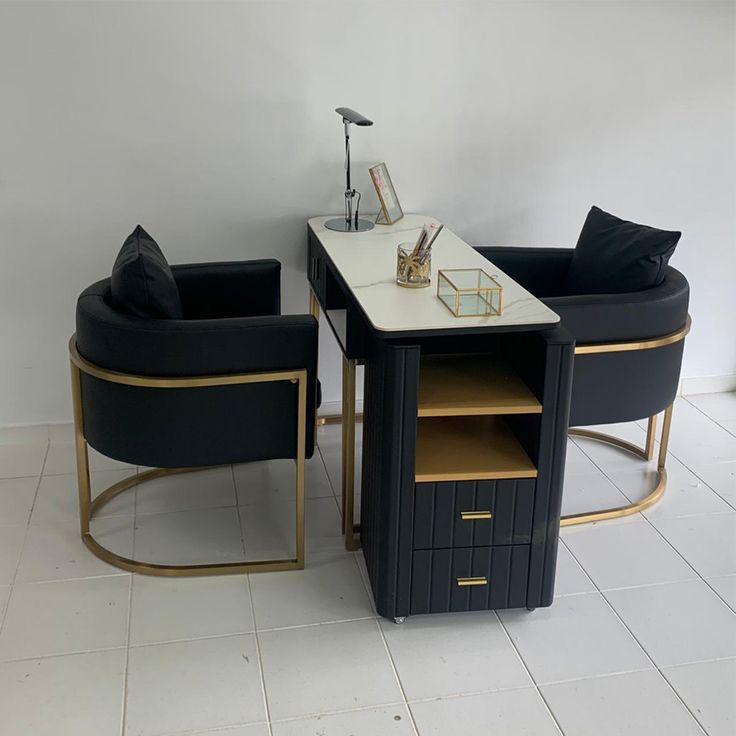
(530, 609)
(399, 619)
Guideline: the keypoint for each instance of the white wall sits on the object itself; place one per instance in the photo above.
(213, 126)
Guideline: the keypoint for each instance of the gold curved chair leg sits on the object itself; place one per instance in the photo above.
(645, 453)
(153, 568)
(88, 506)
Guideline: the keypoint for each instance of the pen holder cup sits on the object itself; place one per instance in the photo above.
(412, 272)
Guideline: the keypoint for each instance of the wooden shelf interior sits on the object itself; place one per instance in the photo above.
(469, 448)
(461, 385)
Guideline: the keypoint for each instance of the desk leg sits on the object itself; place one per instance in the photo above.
(313, 305)
(348, 450)
(314, 311)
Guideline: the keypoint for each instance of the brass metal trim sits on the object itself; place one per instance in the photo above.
(474, 515)
(651, 438)
(314, 308)
(88, 507)
(624, 346)
(645, 453)
(130, 379)
(337, 418)
(462, 582)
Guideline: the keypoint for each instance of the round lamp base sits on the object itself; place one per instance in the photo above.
(348, 226)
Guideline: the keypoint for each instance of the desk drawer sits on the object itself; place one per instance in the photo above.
(473, 513)
(469, 579)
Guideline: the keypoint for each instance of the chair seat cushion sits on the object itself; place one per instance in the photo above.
(142, 283)
(614, 256)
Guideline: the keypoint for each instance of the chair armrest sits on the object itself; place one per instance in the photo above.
(232, 289)
(241, 422)
(542, 271)
(636, 315)
(153, 347)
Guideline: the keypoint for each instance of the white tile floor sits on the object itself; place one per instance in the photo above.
(641, 638)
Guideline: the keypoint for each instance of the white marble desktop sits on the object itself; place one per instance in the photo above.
(367, 263)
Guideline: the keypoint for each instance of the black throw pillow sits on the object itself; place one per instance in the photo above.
(614, 256)
(142, 282)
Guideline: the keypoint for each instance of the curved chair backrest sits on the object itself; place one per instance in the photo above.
(254, 417)
(628, 346)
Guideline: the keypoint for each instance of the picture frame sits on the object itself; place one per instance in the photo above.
(391, 210)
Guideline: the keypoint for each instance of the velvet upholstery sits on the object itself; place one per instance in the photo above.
(616, 386)
(199, 426)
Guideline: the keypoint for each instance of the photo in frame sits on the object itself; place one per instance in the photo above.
(390, 208)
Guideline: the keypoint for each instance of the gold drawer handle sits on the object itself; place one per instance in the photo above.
(472, 515)
(472, 581)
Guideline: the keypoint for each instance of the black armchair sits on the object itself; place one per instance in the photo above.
(628, 352)
(233, 381)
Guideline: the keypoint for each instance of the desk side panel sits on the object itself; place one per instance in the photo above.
(552, 447)
(387, 501)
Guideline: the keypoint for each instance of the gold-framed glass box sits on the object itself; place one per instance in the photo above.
(469, 292)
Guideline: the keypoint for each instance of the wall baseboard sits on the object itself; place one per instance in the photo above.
(708, 384)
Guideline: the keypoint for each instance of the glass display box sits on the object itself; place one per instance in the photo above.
(469, 292)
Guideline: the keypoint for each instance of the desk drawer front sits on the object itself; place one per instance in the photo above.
(469, 579)
(473, 513)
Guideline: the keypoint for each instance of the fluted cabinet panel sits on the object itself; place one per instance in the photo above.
(439, 509)
(469, 579)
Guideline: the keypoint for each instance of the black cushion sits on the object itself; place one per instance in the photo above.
(615, 256)
(142, 282)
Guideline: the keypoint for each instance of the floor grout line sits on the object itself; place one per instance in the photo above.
(406, 702)
(340, 711)
(316, 624)
(214, 729)
(602, 594)
(259, 654)
(641, 646)
(124, 703)
(395, 670)
(366, 582)
(528, 673)
(697, 575)
(102, 576)
(59, 655)
(473, 693)
(126, 670)
(706, 415)
(262, 675)
(686, 464)
(23, 543)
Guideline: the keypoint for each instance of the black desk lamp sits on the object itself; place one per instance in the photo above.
(350, 223)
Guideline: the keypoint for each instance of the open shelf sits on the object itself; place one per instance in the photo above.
(462, 385)
(469, 448)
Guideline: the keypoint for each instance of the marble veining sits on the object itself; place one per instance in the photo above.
(367, 263)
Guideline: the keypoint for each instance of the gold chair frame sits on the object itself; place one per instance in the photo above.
(89, 506)
(645, 453)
